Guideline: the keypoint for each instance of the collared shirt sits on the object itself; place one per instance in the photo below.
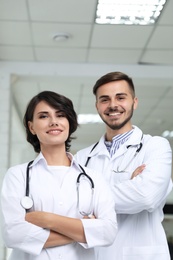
(27, 240)
(117, 141)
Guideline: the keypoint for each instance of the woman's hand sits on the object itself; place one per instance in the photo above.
(38, 218)
(67, 226)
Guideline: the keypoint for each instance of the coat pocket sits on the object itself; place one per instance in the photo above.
(146, 253)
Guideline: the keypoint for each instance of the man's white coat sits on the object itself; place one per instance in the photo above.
(139, 201)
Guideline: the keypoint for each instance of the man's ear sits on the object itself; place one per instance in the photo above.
(135, 104)
(30, 126)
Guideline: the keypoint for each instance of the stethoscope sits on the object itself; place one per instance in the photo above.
(128, 163)
(83, 174)
(139, 147)
(27, 202)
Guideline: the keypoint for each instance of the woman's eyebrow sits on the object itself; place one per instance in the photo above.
(42, 112)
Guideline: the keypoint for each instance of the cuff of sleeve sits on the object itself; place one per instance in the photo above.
(35, 240)
(93, 230)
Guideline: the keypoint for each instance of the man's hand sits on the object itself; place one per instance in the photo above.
(89, 217)
(138, 171)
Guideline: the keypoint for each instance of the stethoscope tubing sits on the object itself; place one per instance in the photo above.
(27, 179)
(137, 151)
(27, 202)
(83, 173)
(118, 170)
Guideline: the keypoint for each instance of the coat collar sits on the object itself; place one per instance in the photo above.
(40, 159)
(134, 140)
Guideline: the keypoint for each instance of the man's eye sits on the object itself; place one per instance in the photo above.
(121, 98)
(103, 100)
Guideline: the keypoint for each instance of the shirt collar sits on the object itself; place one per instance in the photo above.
(117, 141)
(40, 158)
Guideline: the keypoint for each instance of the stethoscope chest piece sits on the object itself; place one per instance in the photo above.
(26, 202)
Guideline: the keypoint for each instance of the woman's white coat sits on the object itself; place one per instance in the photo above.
(26, 239)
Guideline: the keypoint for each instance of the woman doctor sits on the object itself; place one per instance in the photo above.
(55, 227)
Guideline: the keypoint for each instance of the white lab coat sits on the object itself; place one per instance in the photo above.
(138, 202)
(26, 239)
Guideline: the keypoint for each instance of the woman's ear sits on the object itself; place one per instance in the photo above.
(30, 126)
(96, 105)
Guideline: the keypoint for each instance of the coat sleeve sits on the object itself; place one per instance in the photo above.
(102, 230)
(18, 233)
(149, 189)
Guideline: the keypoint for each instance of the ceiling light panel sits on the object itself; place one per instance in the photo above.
(129, 12)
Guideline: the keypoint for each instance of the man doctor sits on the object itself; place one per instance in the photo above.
(138, 169)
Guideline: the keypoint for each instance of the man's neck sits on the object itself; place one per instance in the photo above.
(110, 133)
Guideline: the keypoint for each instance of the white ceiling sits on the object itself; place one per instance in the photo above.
(36, 62)
(27, 28)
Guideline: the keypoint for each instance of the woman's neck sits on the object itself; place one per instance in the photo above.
(56, 156)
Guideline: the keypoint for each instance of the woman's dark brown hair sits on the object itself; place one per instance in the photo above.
(56, 101)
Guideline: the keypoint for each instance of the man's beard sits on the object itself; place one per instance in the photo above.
(120, 125)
